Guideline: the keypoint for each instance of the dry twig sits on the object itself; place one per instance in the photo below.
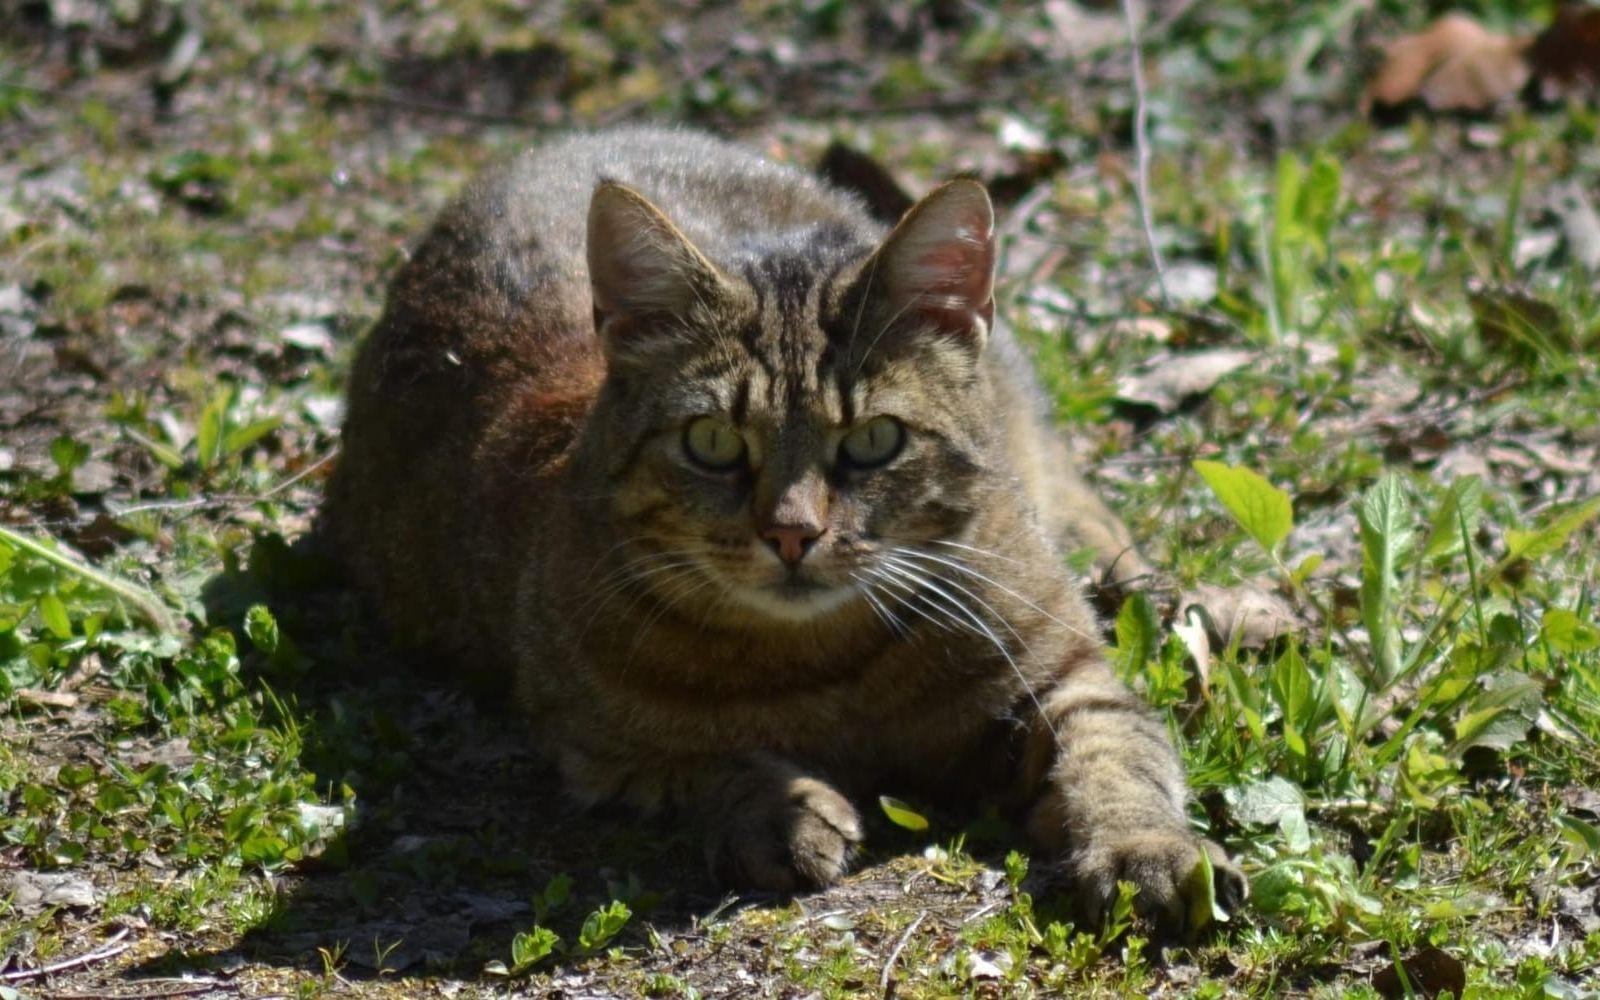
(1141, 144)
(112, 948)
(887, 979)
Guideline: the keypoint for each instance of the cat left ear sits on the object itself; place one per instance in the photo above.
(937, 266)
(641, 267)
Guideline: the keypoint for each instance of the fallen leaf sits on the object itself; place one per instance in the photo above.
(1255, 616)
(1581, 905)
(34, 891)
(1167, 382)
(1455, 64)
(1430, 972)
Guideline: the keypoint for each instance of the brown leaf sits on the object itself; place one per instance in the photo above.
(1456, 64)
(1430, 972)
(1566, 55)
(1168, 381)
(1245, 612)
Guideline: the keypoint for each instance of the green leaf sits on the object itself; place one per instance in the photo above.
(239, 438)
(1319, 200)
(68, 454)
(54, 615)
(1264, 803)
(1386, 524)
(1292, 688)
(1552, 534)
(1202, 886)
(1262, 510)
(1460, 508)
(1138, 634)
(261, 628)
(901, 814)
(1307, 566)
(1565, 632)
(208, 436)
(603, 924)
(1502, 713)
(532, 946)
(1580, 834)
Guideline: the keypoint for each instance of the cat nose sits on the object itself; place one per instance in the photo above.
(791, 541)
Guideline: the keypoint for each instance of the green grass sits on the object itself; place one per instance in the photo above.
(1412, 768)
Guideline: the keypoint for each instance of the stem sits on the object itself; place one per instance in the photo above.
(147, 604)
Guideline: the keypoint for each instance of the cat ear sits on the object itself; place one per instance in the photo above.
(937, 266)
(641, 266)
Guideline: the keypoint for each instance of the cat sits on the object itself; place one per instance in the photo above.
(759, 511)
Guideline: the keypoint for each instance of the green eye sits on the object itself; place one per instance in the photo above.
(873, 443)
(713, 443)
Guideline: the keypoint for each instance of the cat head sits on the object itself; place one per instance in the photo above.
(799, 425)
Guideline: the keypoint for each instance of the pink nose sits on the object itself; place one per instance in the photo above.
(791, 541)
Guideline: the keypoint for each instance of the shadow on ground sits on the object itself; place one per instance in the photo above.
(454, 825)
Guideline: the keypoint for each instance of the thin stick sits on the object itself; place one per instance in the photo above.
(1141, 143)
(143, 601)
(894, 955)
(108, 950)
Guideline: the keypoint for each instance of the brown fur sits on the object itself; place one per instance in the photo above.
(516, 496)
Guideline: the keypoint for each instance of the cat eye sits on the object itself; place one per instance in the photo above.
(873, 443)
(713, 444)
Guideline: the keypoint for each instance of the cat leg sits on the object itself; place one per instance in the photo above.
(1111, 799)
(767, 824)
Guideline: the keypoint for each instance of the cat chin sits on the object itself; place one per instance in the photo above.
(797, 607)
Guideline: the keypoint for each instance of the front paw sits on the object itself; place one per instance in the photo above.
(794, 833)
(1164, 865)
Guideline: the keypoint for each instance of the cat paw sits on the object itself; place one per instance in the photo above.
(799, 834)
(1164, 866)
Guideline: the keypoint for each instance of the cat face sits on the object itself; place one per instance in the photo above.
(777, 429)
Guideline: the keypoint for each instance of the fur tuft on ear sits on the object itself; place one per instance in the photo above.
(641, 266)
(938, 263)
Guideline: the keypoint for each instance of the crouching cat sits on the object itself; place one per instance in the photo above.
(756, 507)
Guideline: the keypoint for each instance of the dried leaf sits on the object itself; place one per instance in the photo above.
(1456, 64)
(1166, 383)
(1255, 616)
(1429, 972)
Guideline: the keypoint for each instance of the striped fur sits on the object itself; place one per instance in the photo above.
(518, 498)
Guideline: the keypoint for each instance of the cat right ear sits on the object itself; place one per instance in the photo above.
(937, 267)
(645, 274)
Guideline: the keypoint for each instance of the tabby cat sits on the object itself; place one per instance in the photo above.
(756, 508)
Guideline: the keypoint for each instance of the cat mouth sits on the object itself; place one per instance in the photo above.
(796, 598)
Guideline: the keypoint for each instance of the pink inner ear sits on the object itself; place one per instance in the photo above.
(955, 275)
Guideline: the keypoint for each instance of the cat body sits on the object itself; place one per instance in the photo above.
(757, 508)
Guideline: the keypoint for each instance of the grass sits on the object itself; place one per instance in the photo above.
(1409, 458)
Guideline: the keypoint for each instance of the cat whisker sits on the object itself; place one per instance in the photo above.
(960, 566)
(987, 633)
(913, 600)
(932, 580)
(881, 610)
(890, 322)
(665, 605)
(682, 562)
(973, 548)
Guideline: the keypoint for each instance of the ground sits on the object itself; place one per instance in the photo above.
(216, 782)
